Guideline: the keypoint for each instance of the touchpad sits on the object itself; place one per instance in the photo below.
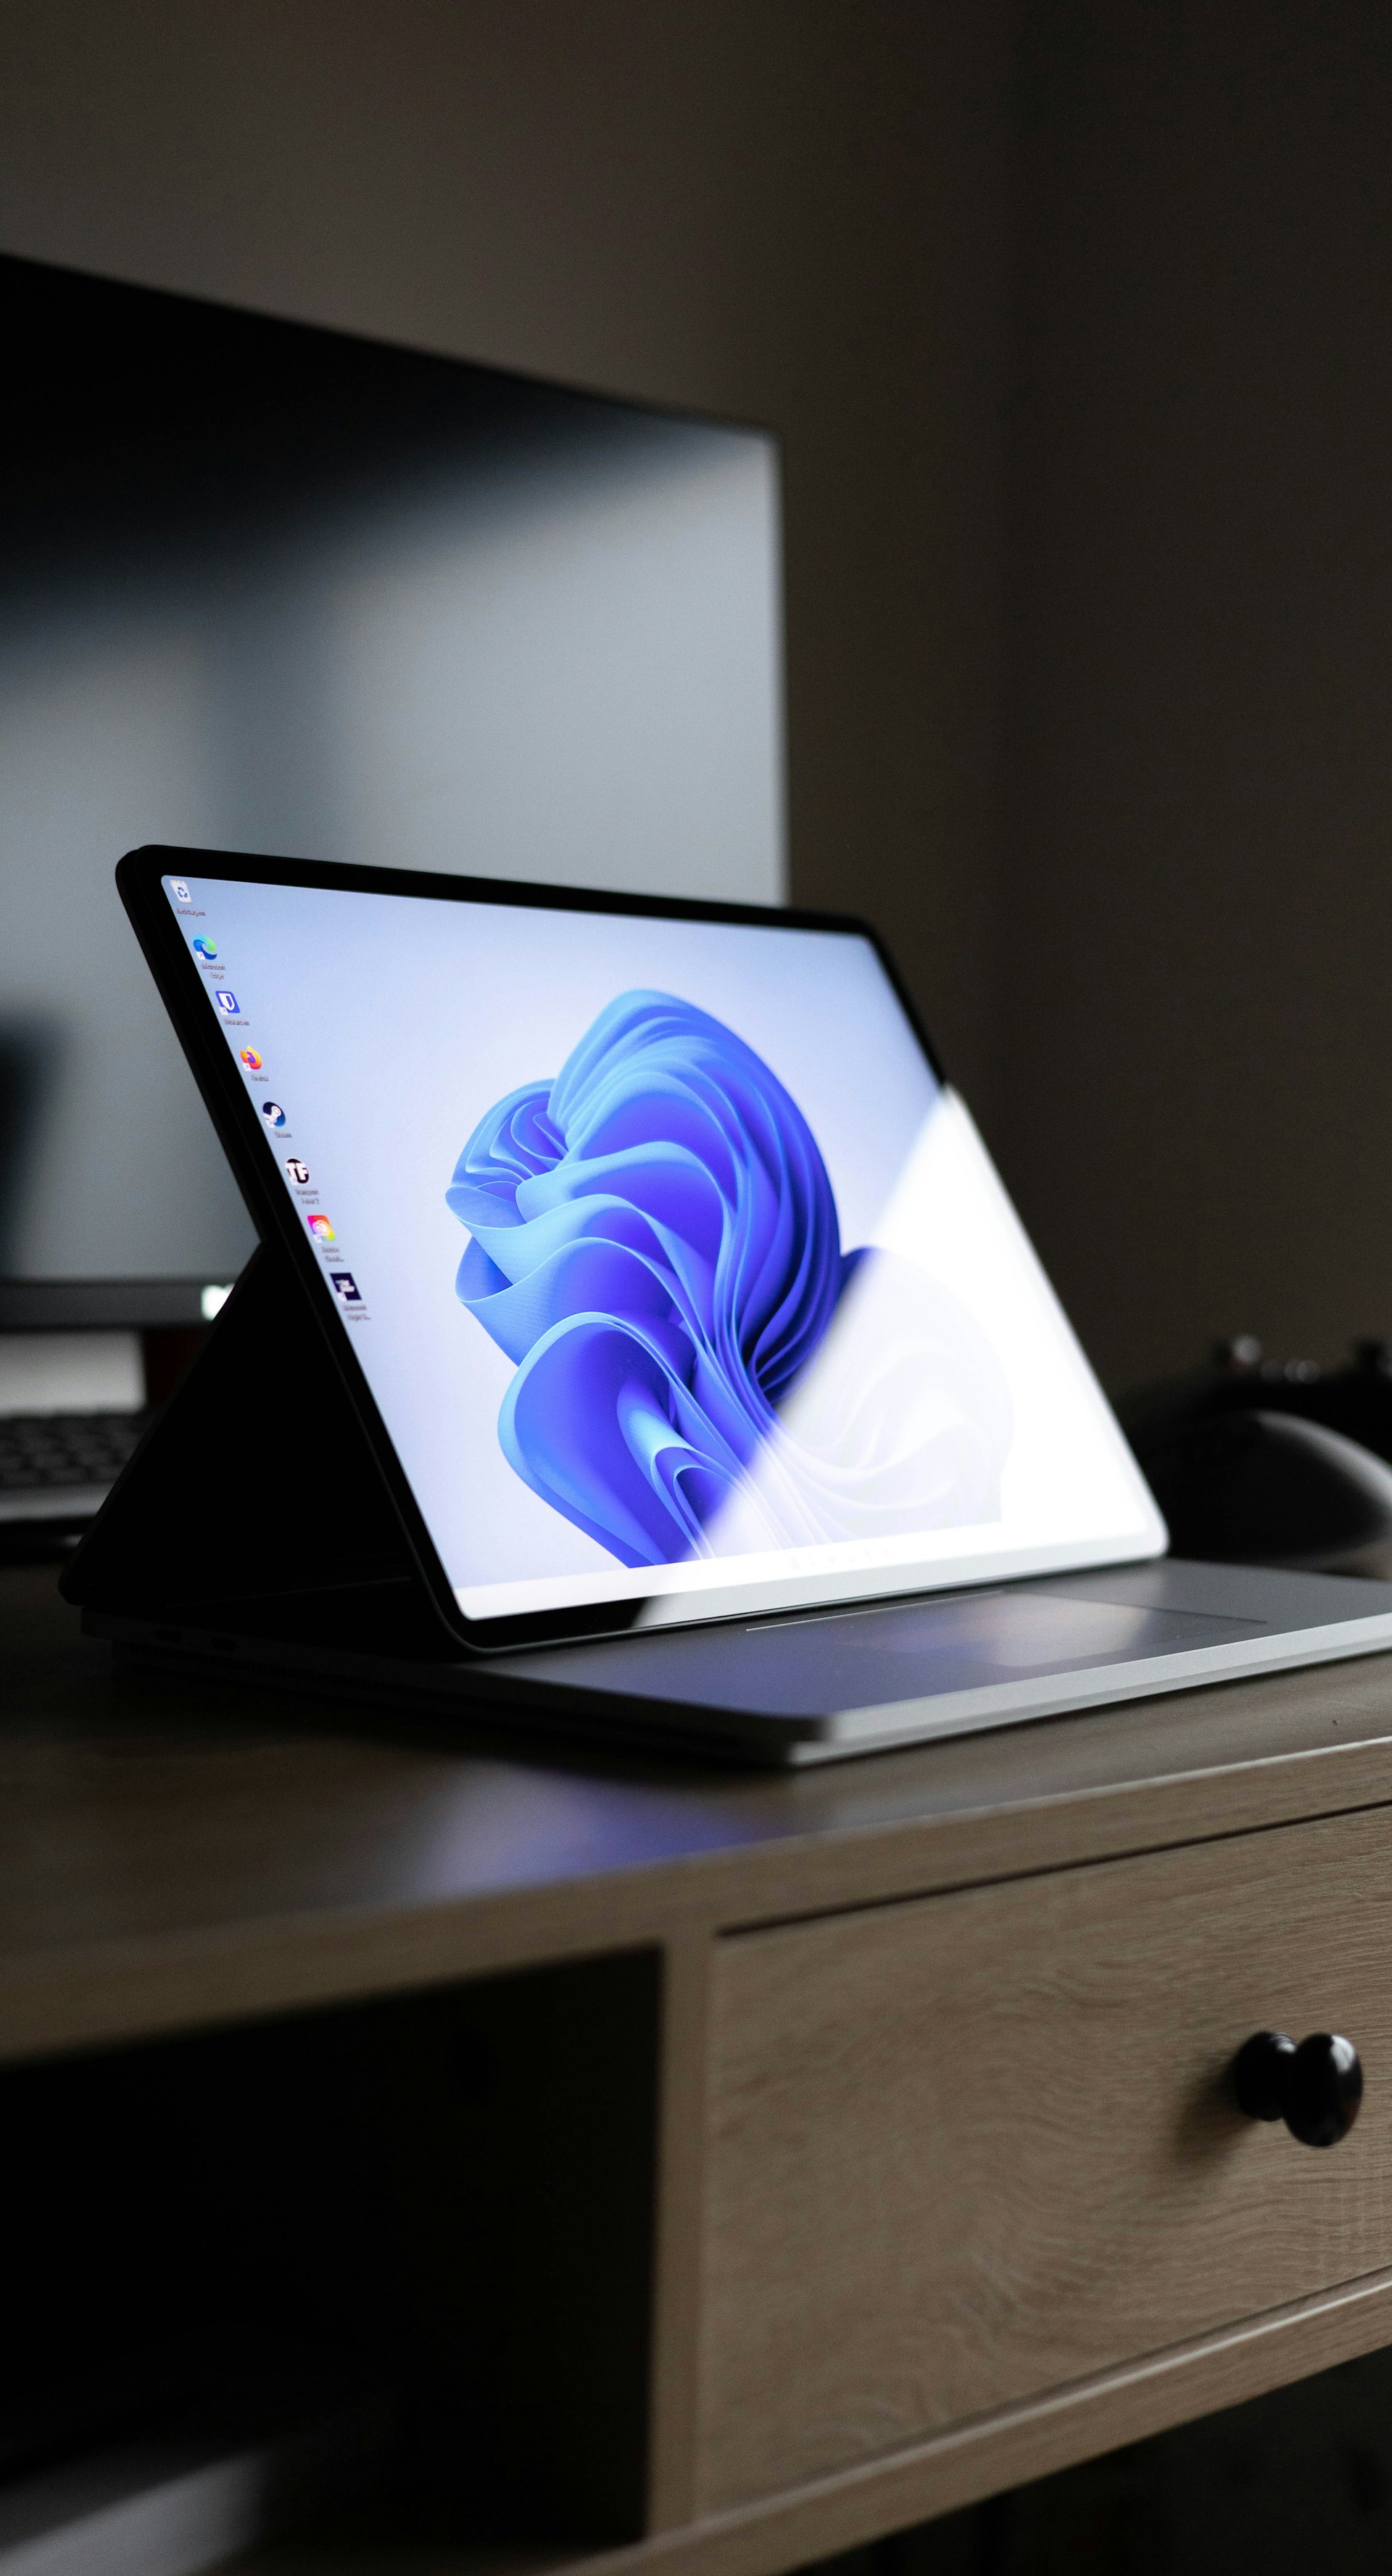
(916, 1649)
(1027, 1631)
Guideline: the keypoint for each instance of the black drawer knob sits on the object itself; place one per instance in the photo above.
(1315, 2088)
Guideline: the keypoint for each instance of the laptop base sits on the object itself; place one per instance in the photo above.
(251, 1538)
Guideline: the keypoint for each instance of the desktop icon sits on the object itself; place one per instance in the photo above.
(228, 1004)
(179, 890)
(206, 949)
(272, 1112)
(251, 1059)
(298, 1171)
(320, 1226)
(345, 1288)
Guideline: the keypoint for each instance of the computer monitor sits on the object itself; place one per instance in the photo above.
(271, 588)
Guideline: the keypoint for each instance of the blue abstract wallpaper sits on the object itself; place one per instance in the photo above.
(654, 1243)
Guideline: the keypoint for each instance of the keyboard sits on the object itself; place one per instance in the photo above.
(61, 1466)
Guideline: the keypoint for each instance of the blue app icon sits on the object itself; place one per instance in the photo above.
(272, 1112)
(229, 1003)
(205, 948)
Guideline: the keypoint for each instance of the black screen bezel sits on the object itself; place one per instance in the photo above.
(139, 880)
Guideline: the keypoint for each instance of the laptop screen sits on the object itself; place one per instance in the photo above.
(677, 1276)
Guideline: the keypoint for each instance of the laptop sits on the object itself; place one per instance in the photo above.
(640, 1340)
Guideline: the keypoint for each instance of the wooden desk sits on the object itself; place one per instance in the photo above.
(871, 2123)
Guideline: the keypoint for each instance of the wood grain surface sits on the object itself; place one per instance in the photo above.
(794, 2527)
(967, 2150)
(686, 1983)
(175, 1858)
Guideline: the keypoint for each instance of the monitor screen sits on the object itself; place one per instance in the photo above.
(272, 588)
(671, 1264)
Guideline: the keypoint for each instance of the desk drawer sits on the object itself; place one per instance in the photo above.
(974, 2146)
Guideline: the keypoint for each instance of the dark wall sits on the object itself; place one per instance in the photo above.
(794, 212)
(1195, 1087)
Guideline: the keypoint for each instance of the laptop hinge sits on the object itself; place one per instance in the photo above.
(256, 1479)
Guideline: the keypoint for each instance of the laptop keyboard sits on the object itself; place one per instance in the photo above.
(41, 1453)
